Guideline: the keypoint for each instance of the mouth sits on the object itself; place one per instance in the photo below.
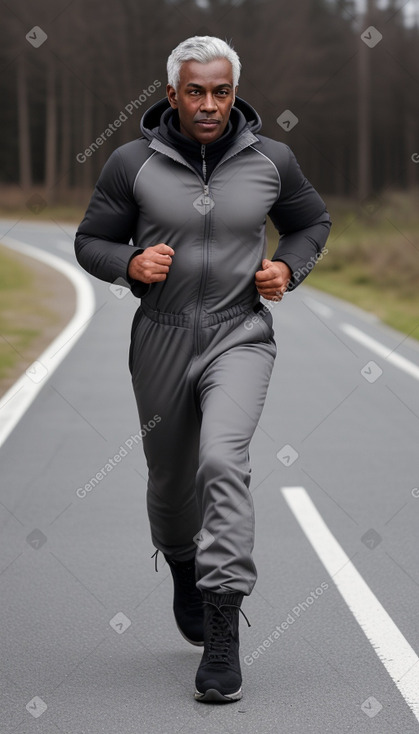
(208, 124)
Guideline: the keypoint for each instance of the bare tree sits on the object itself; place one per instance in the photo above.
(357, 107)
(51, 133)
(364, 106)
(25, 168)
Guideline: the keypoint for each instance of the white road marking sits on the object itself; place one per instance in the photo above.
(19, 397)
(319, 308)
(390, 356)
(392, 648)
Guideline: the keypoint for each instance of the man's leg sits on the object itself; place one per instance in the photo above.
(160, 366)
(232, 392)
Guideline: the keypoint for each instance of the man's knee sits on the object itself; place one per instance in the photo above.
(221, 459)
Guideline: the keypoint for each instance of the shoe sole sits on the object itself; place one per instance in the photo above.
(192, 642)
(214, 696)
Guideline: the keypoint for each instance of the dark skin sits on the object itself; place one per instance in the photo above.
(203, 99)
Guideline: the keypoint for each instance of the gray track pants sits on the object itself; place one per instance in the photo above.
(209, 401)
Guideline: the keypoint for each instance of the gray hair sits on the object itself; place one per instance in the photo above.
(203, 49)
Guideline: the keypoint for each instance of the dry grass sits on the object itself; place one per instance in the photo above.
(373, 258)
(35, 304)
(38, 205)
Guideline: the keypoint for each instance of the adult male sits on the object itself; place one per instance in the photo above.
(193, 194)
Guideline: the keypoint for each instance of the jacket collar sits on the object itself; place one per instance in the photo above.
(242, 141)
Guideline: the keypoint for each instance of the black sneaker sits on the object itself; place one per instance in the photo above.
(219, 678)
(187, 601)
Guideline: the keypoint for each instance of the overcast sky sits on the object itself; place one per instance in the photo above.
(409, 8)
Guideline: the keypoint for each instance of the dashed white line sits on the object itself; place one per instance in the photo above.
(320, 308)
(390, 356)
(392, 648)
(19, 397)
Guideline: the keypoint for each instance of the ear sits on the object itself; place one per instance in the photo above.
(234, 95)
(171, 96)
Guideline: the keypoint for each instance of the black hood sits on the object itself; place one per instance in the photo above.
(161, 122)
(155, 121)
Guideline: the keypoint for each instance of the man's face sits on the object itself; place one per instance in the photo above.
(204, 99)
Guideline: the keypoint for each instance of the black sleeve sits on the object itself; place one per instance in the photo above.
(101, 243)
(301, 218)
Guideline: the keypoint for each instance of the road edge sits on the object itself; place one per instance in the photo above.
(16, 401)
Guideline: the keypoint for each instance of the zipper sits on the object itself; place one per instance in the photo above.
(204, 273)
(206, 201)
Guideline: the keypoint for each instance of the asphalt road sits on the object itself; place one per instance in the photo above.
(88, 642)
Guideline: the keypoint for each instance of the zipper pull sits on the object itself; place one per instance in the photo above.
(204, 163)
(207, 200)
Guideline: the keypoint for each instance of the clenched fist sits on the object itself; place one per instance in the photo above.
(272, 281)
(152, 265)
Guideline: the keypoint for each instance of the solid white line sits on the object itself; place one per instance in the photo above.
(392, 648)
(19, 397)
(390, 356)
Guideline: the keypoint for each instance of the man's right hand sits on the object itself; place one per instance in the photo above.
(152, 265)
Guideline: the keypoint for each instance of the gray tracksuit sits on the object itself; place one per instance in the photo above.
(202, 348)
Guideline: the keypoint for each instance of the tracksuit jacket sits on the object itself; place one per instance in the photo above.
(202, 347)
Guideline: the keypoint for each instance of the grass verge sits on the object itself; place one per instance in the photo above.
(35, 303)
(372, 261)
(373, 258)
(16, 301)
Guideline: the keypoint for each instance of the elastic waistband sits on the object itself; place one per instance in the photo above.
(170, 319)
(207, 319)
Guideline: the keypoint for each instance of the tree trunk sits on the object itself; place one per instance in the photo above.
(412, 152)
(25, 168)
(87, 137)
(51, 135)
(364, 121)
(65, 133)
(364, 109)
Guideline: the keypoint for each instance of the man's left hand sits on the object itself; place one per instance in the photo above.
(272, 281)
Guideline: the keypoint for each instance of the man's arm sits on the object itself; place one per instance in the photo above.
(301, 218)
(101, 243)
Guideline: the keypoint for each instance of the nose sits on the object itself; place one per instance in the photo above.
(209, 104)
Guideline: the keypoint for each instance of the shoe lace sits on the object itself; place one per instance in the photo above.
(183, 571)
(219, 641)
(185, 580)
(155, 560)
